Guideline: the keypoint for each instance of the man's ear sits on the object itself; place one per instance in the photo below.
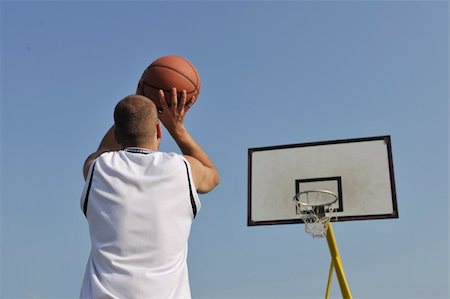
(158, 131)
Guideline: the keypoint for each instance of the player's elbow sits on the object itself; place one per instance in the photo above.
(210, 183)
(215, 180)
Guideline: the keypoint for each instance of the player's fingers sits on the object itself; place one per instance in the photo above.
(162, 99)
(190, 103)
(182, 103)
(173, 98)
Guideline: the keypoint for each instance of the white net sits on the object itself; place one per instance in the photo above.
(317, 208)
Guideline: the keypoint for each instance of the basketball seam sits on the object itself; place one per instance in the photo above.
(170, 68)
(195, 71)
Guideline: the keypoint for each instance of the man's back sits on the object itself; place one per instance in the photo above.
(140, 208)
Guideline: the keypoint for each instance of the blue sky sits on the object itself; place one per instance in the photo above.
(272, 73)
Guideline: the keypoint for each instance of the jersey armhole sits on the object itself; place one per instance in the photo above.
(87, 188)
(195, 201)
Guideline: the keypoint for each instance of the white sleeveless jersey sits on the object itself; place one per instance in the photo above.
(140, 208)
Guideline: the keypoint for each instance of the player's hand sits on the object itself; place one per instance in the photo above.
(190, 103)
(172, 116)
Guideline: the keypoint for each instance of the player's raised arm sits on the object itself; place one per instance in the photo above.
(205, 173)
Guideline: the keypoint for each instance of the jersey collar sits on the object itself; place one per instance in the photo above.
(138, 150)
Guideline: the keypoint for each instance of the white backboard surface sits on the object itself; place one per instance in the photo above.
(360, 171)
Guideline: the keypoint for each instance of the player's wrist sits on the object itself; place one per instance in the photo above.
(178, 131)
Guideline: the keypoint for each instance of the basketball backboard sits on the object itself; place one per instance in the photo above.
(360, 171)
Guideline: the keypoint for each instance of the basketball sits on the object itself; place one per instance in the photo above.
(167, 72)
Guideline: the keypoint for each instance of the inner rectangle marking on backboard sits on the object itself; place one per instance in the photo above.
(333, 184)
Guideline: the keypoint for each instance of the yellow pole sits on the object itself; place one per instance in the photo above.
(336, 261)
(330, 278)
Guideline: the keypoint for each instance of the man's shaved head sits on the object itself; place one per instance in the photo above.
(135, 119)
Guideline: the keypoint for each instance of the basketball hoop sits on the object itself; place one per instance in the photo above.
(317, 209)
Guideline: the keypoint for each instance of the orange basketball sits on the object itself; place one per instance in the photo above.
(167, 72)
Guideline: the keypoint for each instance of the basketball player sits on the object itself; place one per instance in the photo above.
(140, 202)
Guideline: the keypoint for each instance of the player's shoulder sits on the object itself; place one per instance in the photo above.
(107, 155)
(168, 162)
(169, 157)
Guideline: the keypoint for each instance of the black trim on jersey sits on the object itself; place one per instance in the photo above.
(194, 206)
(138, 150)
(86, 199)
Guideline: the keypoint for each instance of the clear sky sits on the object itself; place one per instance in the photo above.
(272, 73)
